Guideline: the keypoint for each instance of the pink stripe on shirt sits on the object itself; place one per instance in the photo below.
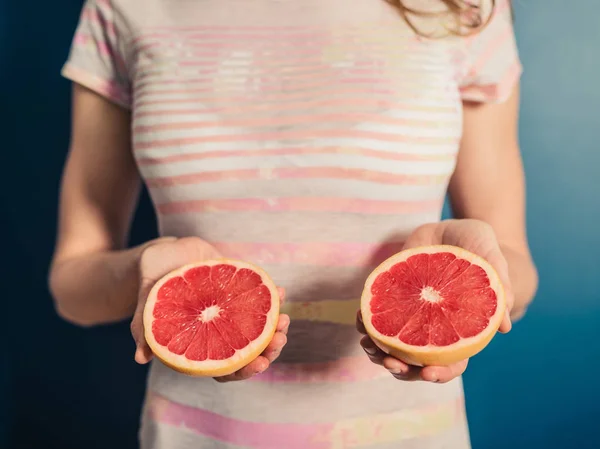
(320, 204)
(317, 253)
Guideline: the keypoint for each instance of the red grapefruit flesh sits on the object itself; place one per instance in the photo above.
(211, 318)
(433, 305)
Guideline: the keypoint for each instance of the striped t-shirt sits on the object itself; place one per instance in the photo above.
(309, 137)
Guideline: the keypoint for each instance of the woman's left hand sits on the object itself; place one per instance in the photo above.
(472, 235)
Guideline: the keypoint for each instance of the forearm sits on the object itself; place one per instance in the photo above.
(523, 277)
(96, 288)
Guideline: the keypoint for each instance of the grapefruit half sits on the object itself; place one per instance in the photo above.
(433, 305)
(211, 318)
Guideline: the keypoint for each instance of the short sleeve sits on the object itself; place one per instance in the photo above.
(97, 57)
(491, 64)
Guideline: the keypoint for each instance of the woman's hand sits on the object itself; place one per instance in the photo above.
(472, 235)
(164, 255)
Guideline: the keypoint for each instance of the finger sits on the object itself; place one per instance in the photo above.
(375, 354)
(258, 365)
(376, 359)
(281, 292)
(497, 260)
(506, 324)
(194, 249)
(274, 348)
(413, 374)
(424, 235)
(158, 240)
(397, 367)
(283, 324)
(442, 374)
(360, 326)
(156, 260)
(370, 347)
(143, 353)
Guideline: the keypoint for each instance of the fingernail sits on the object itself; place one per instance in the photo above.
(396, 372)
(370, 350)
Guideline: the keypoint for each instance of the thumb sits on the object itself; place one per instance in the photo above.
(427, 234)
(496, 258)
(506, 324)
(281, 292)
(143, 353)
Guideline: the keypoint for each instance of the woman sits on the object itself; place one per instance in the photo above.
(313, 138)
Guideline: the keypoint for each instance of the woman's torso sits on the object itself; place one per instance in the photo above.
(309, 137)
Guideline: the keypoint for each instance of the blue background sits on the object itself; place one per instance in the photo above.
(63, 387)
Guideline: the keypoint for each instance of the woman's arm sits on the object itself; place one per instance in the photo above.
(489, 184)
(488, 196)
(93, 280)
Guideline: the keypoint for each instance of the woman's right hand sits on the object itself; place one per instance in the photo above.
(160, 257)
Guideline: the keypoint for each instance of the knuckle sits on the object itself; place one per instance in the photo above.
(276, 351)
(192, 240)
(148, 254)
(424, 228)
(490, 230)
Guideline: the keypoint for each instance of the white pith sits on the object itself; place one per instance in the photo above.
(429, 294)
(209, 314)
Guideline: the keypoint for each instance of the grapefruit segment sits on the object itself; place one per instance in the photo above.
(433, 305)
(211, 318)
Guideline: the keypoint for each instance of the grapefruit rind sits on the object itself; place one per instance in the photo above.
(430, 355)
(212, 368)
